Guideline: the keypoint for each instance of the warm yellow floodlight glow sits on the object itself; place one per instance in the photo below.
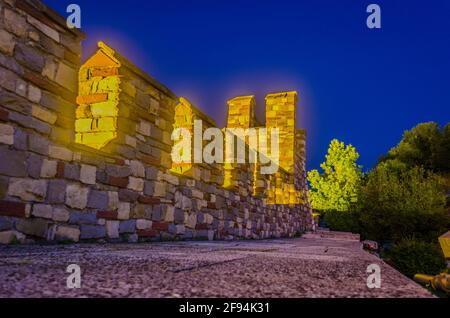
(98, 100)
(184, 118)
(97, 119)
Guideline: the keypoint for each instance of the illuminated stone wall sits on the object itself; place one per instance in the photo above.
(281, 114)
(98, 99)
(86, 149)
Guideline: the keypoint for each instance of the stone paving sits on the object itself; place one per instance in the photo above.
(302, 267)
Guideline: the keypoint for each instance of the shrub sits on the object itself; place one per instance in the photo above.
(412, 256)
(398, 202)
(341, 221)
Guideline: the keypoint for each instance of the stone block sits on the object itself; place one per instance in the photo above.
(88, 218)
(123, 211)
(43, 114)
(142, 211)
(117, 182)
(48, 169)
(151, 173)
(61, 153)
(133, 238)
(205, 234)
(20, 139)
(49, 70)
(166, 138)
(160, 226)
(6, 223)
(30, 122)
(7, 237)
(67, 233)
(118, 171)
(136, 184)
(44, 28)
(179, 216)
(130, 141)
(56, 192)
(71, 171)
(61, 215)
(107, 215)
(188, 234)
(42, 211)
(92, 232)
(21, 88)
(137, 169)
(113, 200)
(88, 174)
(128, 195)
(67, 77)
(98, 200)
(15, 23)
(159, 189)
(144, 128)
(16, 209)
(149, 188)
(186, 203)
(38, 144)
(157, 214)
(191, 221)
(197, 194)
(35, 95)
(147, 233)
(33, 227)
(8, 80)
(174, 180)
(34, 165)
(142, 224)
(112, 229)
(177, 229)
(16, 165)
(168, 213)
(6, 134)
(156, 133)
(28, 189)
(29, 57)
(4, 183)
(127, 227)
(7, 42)
(76, 196)
(34, 36)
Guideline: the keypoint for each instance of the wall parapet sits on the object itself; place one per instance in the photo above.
(93, 161)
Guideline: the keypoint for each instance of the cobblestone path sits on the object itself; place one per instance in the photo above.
(273, 268)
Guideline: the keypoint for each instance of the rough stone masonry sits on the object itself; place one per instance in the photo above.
(54, 186)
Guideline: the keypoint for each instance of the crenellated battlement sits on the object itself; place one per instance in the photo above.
(87, 149)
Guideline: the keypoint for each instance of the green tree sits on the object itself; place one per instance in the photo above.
(425, 145)
(398, 201)
(442, 160)
(336, 189)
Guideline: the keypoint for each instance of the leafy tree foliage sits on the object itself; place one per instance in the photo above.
(398, 201)
(425, 145)
(336, 189)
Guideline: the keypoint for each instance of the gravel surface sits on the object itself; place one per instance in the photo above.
(250, 269)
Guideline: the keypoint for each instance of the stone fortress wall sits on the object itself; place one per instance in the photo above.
(85, 150)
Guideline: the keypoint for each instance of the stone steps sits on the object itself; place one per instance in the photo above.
(324, 233)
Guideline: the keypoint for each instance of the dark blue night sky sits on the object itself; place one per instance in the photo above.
(362, 86)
